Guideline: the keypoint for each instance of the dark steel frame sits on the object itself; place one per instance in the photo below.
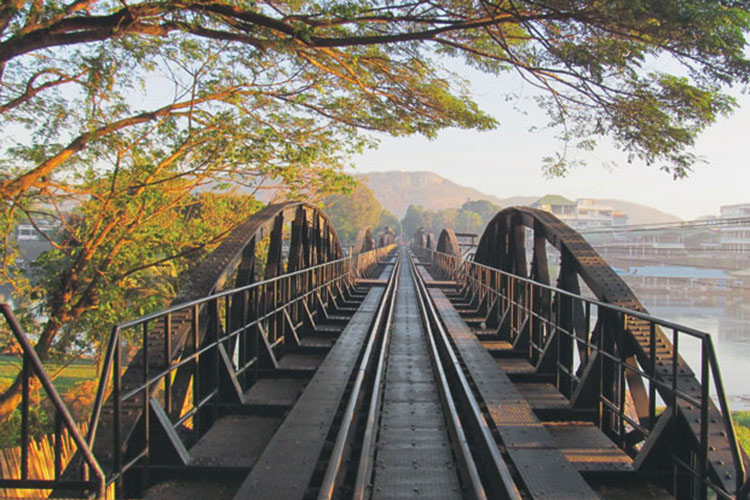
(271, 312)
(521, 313)
(92, 477)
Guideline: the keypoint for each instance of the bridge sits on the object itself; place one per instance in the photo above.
(518, 366)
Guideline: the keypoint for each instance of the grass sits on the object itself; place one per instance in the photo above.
(742, 428)
(78, 371)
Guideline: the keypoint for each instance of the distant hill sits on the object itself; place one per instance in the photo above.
(640, 214)
(397, 190)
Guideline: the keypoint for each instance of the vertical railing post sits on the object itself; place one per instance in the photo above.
(705, 399)
(218, 331)
(602, 321)
(168, 363)
(673, 441)
(117, 401)
(652, 370)
(621, 383)
(58, 446)
(146, 412)
(25, 395)
(196, 369)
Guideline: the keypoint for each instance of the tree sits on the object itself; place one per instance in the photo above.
(349, 213)
(483, 208)
(117, 170)
(415, 217)
(587, 57)
(268, 95)
(442, 219)
(387, 220)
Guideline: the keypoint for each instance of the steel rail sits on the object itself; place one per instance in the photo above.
(367, 454)
(345, 433)
(498, 475)
(467, 465)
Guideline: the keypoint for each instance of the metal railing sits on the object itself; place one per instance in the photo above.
(92, 478)
(549, 314)
(240, 327)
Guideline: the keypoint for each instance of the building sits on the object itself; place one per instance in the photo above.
(563, 208)
(735, 237)
(584, 213)
(679, 278)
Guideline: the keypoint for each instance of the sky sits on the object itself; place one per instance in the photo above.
(507, 161)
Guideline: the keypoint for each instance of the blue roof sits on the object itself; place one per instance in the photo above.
(674, 272)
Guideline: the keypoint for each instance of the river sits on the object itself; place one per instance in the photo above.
(727, 318)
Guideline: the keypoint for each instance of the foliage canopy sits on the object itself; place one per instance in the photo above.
(116, 116)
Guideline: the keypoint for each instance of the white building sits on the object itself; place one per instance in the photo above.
(735, 237)
(584, 213)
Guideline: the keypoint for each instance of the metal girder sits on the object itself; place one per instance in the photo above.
(448, 243)
(502, 247)
(233, 258)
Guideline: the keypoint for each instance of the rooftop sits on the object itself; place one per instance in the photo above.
(552, 199)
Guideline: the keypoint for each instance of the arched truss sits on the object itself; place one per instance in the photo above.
(430, 241)
(448, 243)
(364, 241)
(504, 246)
(312, 241)
(386, 238)
(420, 238)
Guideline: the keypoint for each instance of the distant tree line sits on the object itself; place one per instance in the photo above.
(357, 209)
(471, 217)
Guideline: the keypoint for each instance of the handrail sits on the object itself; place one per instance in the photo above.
(337, 270)
(32, 361)
(461, 271)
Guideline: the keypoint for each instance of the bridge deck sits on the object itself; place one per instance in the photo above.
(278, 446)
(544, 469)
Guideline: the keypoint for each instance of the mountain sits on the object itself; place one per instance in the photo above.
(395, 191)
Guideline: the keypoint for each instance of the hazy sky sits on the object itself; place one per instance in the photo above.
(507, 161)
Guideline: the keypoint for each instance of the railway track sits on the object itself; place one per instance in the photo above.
(413, 426)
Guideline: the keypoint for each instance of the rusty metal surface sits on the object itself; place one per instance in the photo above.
(196, 489)
(515, 365)
(611, 288)
(275, 392)
(234, 441)
(215, 269)
(298, 361)
(288, 462)
(364, 241)
(542, 396)
(448, 242)
(206, 278)
(587, 448)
